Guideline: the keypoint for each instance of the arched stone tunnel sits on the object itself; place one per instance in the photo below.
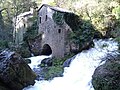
(46, 50)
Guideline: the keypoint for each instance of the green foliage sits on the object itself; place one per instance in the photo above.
(23, 50)
(51, 72)
(3, 44)
(108, 79)
(58, 18)
(116, 32)
(32, 31)
(98, 12)
(72, 20)
(118, 40)
(60, 61)
(83, 31)
(11, 9)
(116, 11)
(56, 70)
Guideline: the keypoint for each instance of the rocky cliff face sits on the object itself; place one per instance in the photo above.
(107, 76)
(15, 74)
(35, 45)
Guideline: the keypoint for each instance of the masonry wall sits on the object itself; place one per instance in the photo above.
(20, 28)
(52, 34)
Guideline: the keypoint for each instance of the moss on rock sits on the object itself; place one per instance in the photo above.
(56, 70)
(49, 73)
(107, 76)
(14, 72)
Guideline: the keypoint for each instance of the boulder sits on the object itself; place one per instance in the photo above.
(23, 50)
(35, 45)
(48, 73)
(68, 61)
(15, 74)
(46, 62)
(76, 48)
(107, 76)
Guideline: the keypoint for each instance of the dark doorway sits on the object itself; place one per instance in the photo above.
(59, 30)
(46, 50)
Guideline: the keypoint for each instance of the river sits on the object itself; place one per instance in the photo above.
(78, 76)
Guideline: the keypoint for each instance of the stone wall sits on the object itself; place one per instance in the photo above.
(52, 34)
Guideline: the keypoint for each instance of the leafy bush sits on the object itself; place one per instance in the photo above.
(82, 31)
(60, 61)
(58, 18)
(72, 20)
(56, 70)
(106, 76)
(3, 44)
(22, 49)
(116, 11)
(31, 30)
(49, 73)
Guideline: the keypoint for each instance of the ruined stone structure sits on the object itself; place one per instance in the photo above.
(54, 35)
(20, 24)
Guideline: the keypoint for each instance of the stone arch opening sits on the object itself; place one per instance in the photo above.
(46, 50)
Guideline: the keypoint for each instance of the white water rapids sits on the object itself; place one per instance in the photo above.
(78, 76)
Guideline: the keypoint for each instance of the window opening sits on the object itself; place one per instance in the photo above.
(24, 25)
(59, 30)
(46, 18)
(40, 19)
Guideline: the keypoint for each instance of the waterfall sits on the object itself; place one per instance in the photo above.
(78, 76)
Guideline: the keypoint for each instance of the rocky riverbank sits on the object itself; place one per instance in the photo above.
(15, 74)
(107, 76)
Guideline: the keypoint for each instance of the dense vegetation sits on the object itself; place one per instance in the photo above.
(82, 30)
(100, 15)
(82, 33)
(54, 70)
(103, 14)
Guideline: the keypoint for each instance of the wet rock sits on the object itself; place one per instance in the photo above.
(35, 45)
(48, 73)
(39, 74)
(46, 62)
(107, 76)
(76, 48)
(28, 61)
(15, 74)
(68, 61)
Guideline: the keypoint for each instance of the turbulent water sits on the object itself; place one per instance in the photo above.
(78, 76)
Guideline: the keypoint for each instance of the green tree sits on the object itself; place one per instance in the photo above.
(116, 12)
(12, 9)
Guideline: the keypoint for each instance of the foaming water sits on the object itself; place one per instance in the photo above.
(78, 76)
(35, 61)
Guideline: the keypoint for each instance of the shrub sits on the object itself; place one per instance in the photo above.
(49, 73)
(31, 31)
(82, 31)
(56, 70)
(3, 44)
(58, 18)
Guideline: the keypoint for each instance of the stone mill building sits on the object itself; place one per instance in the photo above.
(20, 23)
(54, 30)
